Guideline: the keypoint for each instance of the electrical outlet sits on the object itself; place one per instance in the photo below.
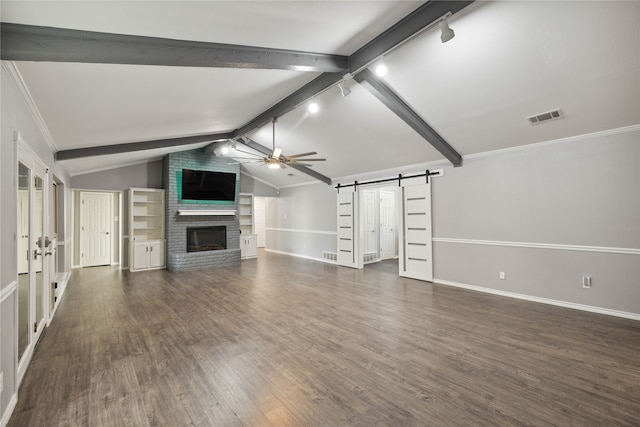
(503, 275)
(586, 282)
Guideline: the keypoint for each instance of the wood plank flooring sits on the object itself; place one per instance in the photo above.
(280, 341)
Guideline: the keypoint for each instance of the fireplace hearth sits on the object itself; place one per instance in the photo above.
(200, 239)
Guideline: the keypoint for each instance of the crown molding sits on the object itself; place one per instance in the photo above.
(575, 138)
(14, 75)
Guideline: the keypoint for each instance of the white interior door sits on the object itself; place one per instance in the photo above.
(387, 224)
(96, 219)
(259, 212)
(348, 243)
(369, 222)
(416, 245)
(33, 247)
(23, 231)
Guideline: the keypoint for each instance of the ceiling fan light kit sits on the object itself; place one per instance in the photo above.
(276, 160)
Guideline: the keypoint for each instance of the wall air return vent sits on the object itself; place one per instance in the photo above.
(545, 117)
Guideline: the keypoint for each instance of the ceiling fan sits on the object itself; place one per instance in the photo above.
(276, 159)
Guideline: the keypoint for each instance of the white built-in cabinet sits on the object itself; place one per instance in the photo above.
(248, 246)
(146, 229)
(248, 240)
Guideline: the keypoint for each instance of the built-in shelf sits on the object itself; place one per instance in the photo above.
(206, 212)
(146, 229)
(245, 206)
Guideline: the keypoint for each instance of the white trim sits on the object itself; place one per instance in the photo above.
(326, 261)
(421, 167)
(303, 184)
(206, 212)
(62, 286)
(580, 248)
(609, 132)
(8, 290)
(15, 76)
(582, 307)
(9, 411)
(393, 172)
(298, 230)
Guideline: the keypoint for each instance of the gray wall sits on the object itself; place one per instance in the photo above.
(143, 175)
(545, 214)
(302, 220)
(15, 116)
(250, 185)
(582, 195)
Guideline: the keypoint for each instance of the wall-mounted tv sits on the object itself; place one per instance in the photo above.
(208, 185)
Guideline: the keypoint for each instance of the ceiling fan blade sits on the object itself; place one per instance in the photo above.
(306, 160)
(310, 153)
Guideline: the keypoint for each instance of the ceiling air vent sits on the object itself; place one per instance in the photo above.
(545, 117)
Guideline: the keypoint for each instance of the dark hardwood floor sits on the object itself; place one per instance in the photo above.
(284, 341)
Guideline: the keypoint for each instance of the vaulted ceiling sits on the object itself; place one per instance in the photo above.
(509, 60)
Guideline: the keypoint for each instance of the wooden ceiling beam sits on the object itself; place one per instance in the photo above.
(35, 43)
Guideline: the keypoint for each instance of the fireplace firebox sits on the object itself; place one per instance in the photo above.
(206, 238)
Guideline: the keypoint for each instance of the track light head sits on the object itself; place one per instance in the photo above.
(446, 32)
(344, 90)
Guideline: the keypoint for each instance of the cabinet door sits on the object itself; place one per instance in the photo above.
(139, 256)
(156, 253)
(251, 249)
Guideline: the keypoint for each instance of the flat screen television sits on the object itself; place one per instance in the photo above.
(208, 185)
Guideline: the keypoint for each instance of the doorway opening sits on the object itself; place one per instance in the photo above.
(379, 214)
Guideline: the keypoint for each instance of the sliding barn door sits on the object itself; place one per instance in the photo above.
(415, 245)
(348, 234)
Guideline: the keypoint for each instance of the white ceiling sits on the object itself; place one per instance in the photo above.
(508, 60)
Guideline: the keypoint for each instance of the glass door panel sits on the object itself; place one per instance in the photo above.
(40, 247)
(24, 255)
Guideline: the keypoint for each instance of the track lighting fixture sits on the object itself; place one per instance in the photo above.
(344, 90)
(446, 32)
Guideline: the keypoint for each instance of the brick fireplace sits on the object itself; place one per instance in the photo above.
(181, 217)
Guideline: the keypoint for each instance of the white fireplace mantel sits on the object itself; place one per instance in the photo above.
(206, 212)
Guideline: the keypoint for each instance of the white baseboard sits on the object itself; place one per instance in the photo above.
(326, 261)
(589, 308)
(9, 410)
(62, 286)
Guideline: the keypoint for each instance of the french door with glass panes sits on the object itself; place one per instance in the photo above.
(33, 248)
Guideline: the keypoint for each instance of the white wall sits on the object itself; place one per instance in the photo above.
(574, 205)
